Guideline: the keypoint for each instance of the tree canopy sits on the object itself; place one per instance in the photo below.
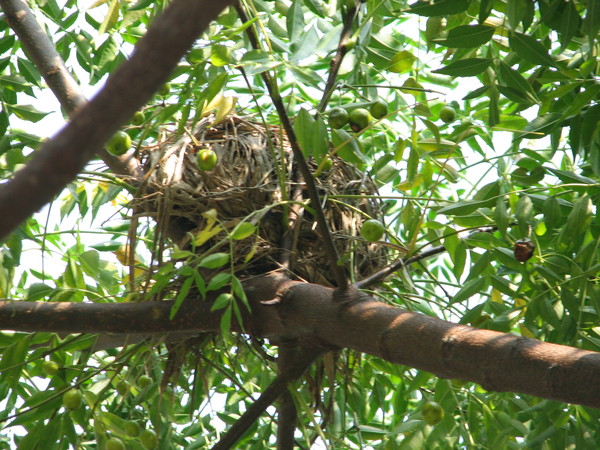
(311, 223)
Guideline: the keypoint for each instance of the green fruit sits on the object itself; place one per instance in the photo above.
(372, 230)
(327, 165)
(432, 413)
(122, 387)
(207, 159)
(338, 117)
(144, 381)
(138, 118)
(114, 444)
(132, 428)
(447, 114)
(379, 109)
(72, 399)
(50, 368)
(164, 89)
(119, 143)
(148, 439)
(359, 119)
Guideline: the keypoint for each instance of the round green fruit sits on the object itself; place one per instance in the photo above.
(432, 413)
(372, 230)
(114, 444)
(148, 439)
(359, 119)
(122, 387)
(164, 89)
(447, 114)
(119, 143)
(207, 159)
(379, 109)
(138, 118)
(144, 381)
(327, 165)
(72, 399)
(50, 368)
(338, 117)
(132, 428)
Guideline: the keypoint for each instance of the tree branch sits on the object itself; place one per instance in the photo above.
(61, 158)
(313, 315)
(336, 62)
(39, 48)
(311, 188)
(303, 359)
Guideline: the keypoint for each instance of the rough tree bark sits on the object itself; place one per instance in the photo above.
(315, 316)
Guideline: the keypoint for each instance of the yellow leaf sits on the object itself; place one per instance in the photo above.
(111, 17)
(210, 230)
(224, 106)
(496, 296)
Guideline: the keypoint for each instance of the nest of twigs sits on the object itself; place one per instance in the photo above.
(254, 181)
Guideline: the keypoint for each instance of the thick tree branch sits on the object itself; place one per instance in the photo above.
(42, 52)
(61, 158)
(313, 315)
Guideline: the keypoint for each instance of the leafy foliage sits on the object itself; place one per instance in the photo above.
(520, 163)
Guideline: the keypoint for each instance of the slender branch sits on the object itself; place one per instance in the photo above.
(402, 262)
(61, 158)
(311, 188)
(42, 52)
(302, 361)
(336, 62)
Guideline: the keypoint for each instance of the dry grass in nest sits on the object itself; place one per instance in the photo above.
(247, 185)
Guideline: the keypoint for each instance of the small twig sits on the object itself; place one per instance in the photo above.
(311, 188)
(305, 357)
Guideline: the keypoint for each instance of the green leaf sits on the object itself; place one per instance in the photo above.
(462, 207)
(220, 55)
(541, 126)
(470, 288)
(577, 221)
(466, 36)
(243, 230)
(515, 80)
(258, 61)
(467, 67)
(402, 62)
(570, 22)
(295, 21)
(214, 261)
(181, 296)
(346, 146)
(530, 49)
(591, 21)
(303, 127)
(222, 301)
(27, 112)
(439, 7)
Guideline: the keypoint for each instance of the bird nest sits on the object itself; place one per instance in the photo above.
(256, 180)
